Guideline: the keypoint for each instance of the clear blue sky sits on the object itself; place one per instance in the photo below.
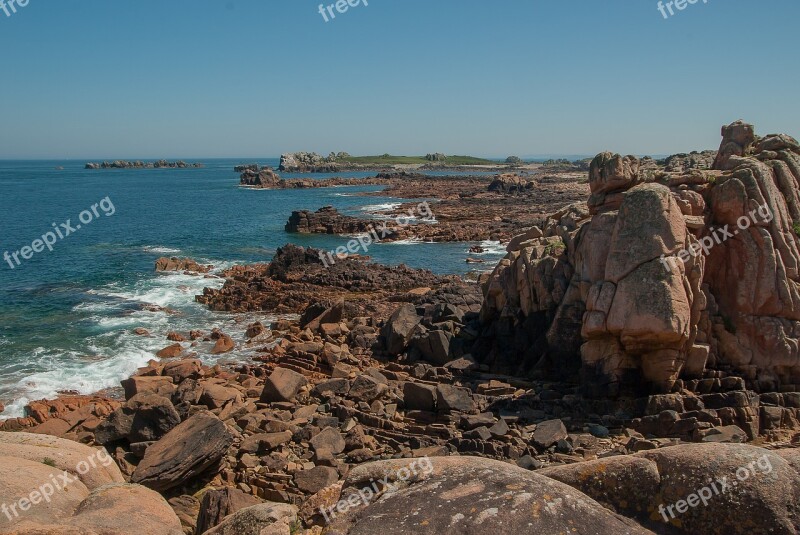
(235, 78)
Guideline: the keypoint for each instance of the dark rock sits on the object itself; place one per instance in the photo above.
(217, 504)
(184, 453)
(451, 398)
(548, 433)
(400, 328)
(144, 417)
(418, 396)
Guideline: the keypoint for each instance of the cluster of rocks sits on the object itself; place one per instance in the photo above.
(308, 162)
(297, 278)
(186, 265)
(253, 177)
(610, 291)
(160, 164)
(326, 220)
(510, 184)
(335, 402)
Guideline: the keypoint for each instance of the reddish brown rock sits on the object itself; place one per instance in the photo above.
(224, 344)
(282, 385)
(170, 352)
(181, 264)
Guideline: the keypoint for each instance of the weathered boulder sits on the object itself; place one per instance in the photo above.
(63, 455)
(186, 452)
(215, 396)
(419, 396)
(20, 476)
(467, 495)
(315, 479)
(696, 488)
(224, 344)
(182, 369)
(118, 507)
(54, 486)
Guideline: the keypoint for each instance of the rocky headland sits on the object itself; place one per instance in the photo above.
(622, 357)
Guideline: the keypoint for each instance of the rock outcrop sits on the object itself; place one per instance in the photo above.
(307, 162)
(662, 276)
(326, 220)
(254, 177)
(510, 184)
(181, 264)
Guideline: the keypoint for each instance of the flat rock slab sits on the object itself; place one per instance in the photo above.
(184, 453)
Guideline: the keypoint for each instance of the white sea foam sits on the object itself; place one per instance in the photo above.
(115, 352)
(491, 247)
(160, 249)
(409, 241)
(385, 207)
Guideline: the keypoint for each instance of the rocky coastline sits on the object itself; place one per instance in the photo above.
(311, 162)
(595, 378)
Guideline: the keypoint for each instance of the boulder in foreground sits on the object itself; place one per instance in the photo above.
(470, 496)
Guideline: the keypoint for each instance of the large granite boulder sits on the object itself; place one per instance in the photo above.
(464, 496)
(63, 455)
(54, 486)
(696, 488)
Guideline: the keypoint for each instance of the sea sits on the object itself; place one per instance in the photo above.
(67, 315)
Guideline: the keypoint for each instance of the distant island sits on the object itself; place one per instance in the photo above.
(311, 162)
(160, 164)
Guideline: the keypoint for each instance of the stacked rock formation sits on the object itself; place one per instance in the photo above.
(662, 276)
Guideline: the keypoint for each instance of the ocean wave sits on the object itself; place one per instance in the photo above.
(384, 207)
(409, 241)
(491, 247)
(160, 249)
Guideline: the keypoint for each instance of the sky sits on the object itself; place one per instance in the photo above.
(107, 79)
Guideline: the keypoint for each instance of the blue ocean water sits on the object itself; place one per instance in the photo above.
(66, 315)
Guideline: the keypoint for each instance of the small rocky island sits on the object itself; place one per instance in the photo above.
(138, 164)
